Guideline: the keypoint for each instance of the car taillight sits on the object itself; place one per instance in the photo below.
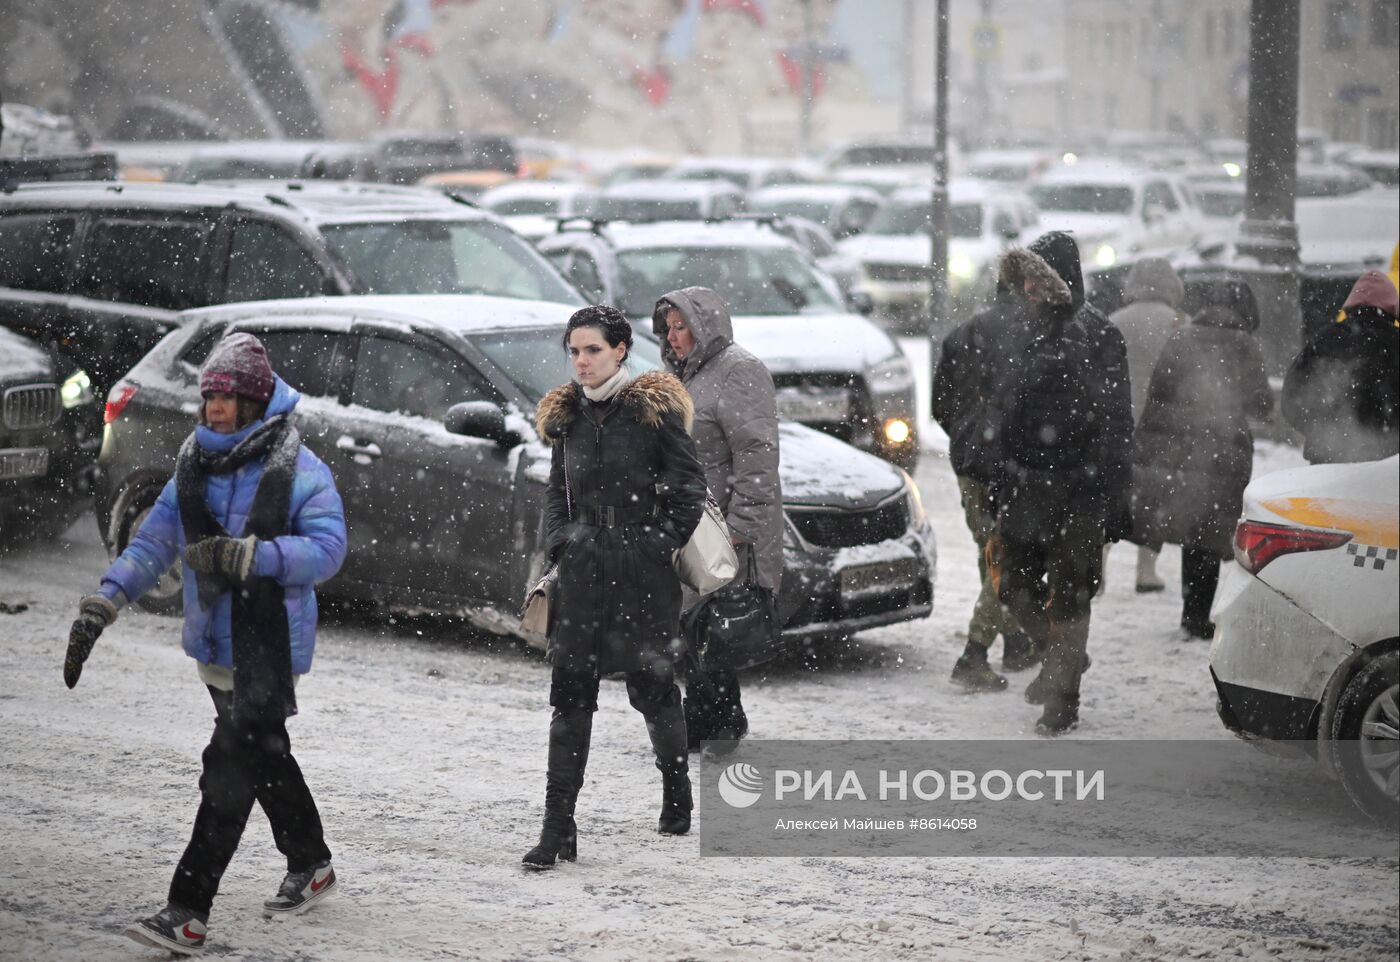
(122, 392)
(1257, 543)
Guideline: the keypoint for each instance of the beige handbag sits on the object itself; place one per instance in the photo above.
(534, 614)
(707, 562)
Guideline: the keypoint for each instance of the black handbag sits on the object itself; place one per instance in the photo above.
(736, 626)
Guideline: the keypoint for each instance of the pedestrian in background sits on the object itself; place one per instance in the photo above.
(1066, 445)
(1153, 314)
(1193, 451)
(625, 493)
(974, 355)
(736, 437)
(1343, 389)
(257, 522)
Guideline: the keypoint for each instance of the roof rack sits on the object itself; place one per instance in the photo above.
(595, 224)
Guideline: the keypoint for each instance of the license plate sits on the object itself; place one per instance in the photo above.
(814, 404)
(23, 463)
(880, 578)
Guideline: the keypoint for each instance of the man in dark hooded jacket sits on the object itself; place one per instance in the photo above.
(736, 438)
(1066, 445)
(974, 355)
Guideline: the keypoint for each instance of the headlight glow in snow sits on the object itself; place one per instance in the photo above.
(77, 390)
(1106, 256)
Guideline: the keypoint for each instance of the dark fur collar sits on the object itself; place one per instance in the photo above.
(651, 396)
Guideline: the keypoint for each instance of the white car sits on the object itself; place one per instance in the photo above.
(894, 251)
(531, 208)
(646, 201)
(840, 208)
(1118, 213)
(745, 173)
(1307, 638)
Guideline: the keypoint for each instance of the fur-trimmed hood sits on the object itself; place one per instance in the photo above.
(1018, 264)
(651, 395)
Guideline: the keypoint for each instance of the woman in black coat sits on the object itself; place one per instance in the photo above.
(625, 492)
(1194, 452)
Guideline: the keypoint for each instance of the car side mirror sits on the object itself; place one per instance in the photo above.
(480, 419)
(862, 303)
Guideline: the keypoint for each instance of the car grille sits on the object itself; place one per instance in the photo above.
(899, 273)
(847, 529)
(31, 406)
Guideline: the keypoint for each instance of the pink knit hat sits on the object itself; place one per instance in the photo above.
(1373, 289)
(238, 365)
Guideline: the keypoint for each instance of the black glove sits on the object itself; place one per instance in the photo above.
(94, 614)
(230, 557)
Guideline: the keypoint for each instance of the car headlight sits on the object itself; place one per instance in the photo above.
(1105, 256)
(893, 374)
(898, 431)
(961, 266)
(77, 390)
(918, 517)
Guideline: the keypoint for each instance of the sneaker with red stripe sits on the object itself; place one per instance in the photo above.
(301, 890)
(175, 928)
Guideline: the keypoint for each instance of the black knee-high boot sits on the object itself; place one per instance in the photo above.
(570, 732)
(666, 726)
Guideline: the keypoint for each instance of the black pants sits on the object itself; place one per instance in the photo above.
(648, 691)
(1200, 575)
(243, 765)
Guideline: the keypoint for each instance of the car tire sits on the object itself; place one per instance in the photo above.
(130, 510)
(1366, 738)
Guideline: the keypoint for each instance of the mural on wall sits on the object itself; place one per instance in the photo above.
(694, 75)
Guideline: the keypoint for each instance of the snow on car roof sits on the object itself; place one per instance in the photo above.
(745, 164)
(528, 189)
(460, 313)
(1097, 171)
(959, 192)
(834, 193)
(669, 190)
(318, 200)
(689, 233)
(22, 357)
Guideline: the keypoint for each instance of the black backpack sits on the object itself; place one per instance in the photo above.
(1053, 422)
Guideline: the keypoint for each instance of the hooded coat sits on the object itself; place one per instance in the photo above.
(975, 354)
(736, 425)
(1194, 452)
(310, 553)
(617, 603)
(1343, 389)
(1155, 294)
(1035, 500)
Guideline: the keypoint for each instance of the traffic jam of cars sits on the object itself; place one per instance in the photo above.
(415, 291)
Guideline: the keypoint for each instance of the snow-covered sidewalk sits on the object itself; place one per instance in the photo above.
(426, 753)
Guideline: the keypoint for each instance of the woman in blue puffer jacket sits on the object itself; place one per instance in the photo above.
(258, 522)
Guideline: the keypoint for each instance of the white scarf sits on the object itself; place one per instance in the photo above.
(606, 390)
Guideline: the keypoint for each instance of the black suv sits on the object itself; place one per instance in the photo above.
(38, 446)
(422, 407)
(100, 272)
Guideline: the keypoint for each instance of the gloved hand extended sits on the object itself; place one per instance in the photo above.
(94, 614)
(230, 557)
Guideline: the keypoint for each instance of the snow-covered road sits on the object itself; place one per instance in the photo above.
(426, 753)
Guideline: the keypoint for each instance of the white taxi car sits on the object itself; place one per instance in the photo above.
(1307, 634)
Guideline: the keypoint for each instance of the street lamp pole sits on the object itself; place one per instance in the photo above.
(1268, 242)
(938, 219)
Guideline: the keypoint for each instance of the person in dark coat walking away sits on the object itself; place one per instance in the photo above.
(258, 523)
(1193, 451)
(1343, 389)
(1152, 315)
(625, 493)
(1066, 443)
(736, 437)
(973, 356)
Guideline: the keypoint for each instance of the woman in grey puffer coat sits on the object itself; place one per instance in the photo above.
(736, 437)
(1154, 293)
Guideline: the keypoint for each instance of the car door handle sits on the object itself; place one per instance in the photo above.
(346, 443)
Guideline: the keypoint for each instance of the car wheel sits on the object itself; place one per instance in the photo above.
(166, 598)
(1366, 738)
